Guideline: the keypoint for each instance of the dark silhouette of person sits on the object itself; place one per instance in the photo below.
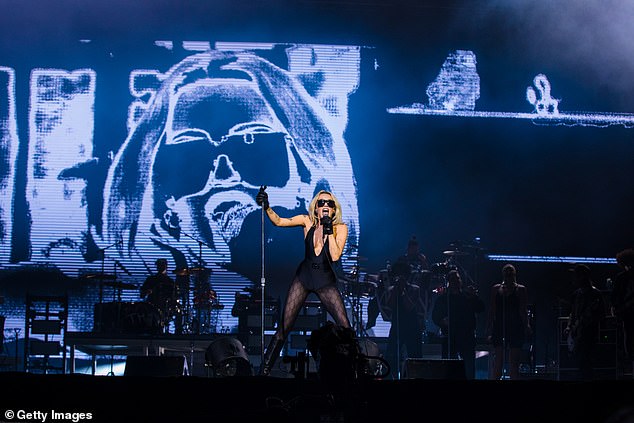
(161, 291)
(622, 302)
(414, 257)
(455, 313)
(404, 308)
(587, 312)
(508, 325)
(413, 264)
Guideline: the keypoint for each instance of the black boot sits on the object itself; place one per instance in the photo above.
(271, 354)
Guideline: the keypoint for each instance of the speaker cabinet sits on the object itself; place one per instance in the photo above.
(162, 366)
(420, 368)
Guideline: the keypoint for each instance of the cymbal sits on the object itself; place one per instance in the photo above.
(193, 270)
(455, 253)
(120, 285)
(102, 276)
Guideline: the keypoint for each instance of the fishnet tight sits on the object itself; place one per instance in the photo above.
(328, 295)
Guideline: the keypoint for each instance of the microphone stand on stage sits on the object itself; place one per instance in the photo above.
(262, 295)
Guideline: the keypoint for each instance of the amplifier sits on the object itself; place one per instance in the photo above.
(254, 321)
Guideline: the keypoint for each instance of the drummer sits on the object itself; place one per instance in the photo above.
(160, 290)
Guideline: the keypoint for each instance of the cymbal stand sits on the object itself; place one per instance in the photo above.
(198, 277)
(357, 309)
(188, 301)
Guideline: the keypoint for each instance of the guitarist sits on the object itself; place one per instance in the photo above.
(588, 309)
(622, 299)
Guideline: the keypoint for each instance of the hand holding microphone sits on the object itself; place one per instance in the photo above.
(262, 198)
(326, 222)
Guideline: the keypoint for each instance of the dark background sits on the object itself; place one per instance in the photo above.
(520, 187)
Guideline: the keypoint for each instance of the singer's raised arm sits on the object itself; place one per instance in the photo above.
(298, 220)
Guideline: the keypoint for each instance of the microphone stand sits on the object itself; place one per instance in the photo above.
(116, 294)
(398, 329)
(448, 291)
(262, 295)
(503, 333)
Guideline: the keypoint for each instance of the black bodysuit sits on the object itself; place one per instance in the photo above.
(315, 272)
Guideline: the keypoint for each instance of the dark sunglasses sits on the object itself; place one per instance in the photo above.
(321, 203)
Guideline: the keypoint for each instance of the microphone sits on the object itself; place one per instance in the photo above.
(326, 223)
(325, 218)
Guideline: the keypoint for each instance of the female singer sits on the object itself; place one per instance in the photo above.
(324, 238)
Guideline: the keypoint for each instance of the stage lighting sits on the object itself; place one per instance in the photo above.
(227, 357)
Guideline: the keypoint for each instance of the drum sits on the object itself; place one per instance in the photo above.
(107, 317)
(141, 318)
(205, 298)
(163, 293)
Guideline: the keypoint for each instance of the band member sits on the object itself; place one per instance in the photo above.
(403, 306)
(588, 309)
(622, 299)
(455, 312)
(161, 291)
(415, 266)
(324, 238)
(414, 257)
(508, 325)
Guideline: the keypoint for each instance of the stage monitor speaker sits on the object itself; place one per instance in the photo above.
(420, 368)
(162, 366)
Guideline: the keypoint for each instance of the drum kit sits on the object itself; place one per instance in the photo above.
(117, 315)
(168, 304)
(201, 305)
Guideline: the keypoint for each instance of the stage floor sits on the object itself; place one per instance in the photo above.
(258, 399)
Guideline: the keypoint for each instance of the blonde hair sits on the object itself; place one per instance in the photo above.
(312, 208)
